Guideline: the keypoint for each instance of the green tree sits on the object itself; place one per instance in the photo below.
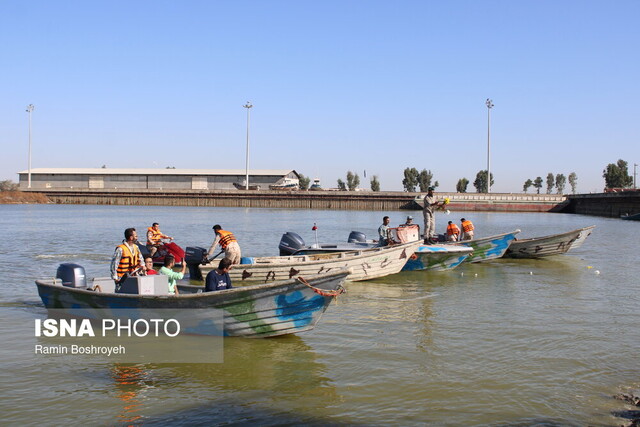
(352, 181)
(561, 181)
(375, 184)
(537, 183)
(304, 182)
(616, 175)
(481, 181)
(8, 185)
(410, 180)
(573, 182)
(528, 183)
(341, 185)
(424, 180)
(550, 182)
(461, 186)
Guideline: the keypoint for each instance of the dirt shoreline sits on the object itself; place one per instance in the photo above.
(19, 197)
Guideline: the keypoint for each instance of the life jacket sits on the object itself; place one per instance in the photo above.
(155, 237)
(467, 226)
(452, 229)
(129, 260)
(226, 237)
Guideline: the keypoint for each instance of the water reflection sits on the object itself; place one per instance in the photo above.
(130, 382)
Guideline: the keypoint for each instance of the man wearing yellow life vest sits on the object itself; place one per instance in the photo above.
(467, 229)
(227, 242)
(154, 238)
(127, 257)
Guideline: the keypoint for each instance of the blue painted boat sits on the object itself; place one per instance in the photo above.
(264, 310)
(487, 248)
(437, 257)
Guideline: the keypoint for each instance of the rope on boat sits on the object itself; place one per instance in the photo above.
(323, 292)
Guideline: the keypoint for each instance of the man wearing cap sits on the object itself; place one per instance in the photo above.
(227, 242)
(430, 205)
(409, 221)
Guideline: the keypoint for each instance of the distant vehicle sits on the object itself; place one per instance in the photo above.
(316, 185)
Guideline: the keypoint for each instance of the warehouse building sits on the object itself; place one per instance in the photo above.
(150, 179)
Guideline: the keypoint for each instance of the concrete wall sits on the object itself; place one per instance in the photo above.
(611, 205)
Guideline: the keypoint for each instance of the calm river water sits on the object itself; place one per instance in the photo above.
(543, 342)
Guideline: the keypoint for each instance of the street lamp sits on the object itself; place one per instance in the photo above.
(489, 103)
(29, 110)
(248, 107)
(634, 175)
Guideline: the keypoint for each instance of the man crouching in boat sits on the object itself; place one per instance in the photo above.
(227, 242)
(127, 257)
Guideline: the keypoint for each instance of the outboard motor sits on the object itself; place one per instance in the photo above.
(194, 256)
(72, 275)
(290, 243)
(357, 237)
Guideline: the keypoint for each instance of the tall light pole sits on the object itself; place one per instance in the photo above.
(489, 103)
(29, 110)
(634, 175)
(248, 107)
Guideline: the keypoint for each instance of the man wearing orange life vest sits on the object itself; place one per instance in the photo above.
(127, 257)
(227, 242)
(453, 232)
(154, 238)
(467, 229)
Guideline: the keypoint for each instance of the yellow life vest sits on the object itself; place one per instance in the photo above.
(226, 237)
(155, 237)
(467, 226)
(129, 260)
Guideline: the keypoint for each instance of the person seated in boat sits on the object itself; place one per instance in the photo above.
(173, 276)
(227, 242)
(467, 229)
(148, 263)
(127, 258)
(384, 232)
(453, 232)
(154, 238)
(408, 222)
(218, 279)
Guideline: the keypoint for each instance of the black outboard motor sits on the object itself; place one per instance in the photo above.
(194, 256)
(290, 243)
(72, 275)
(357, 237)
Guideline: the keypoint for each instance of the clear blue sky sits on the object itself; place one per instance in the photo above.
(373, 86)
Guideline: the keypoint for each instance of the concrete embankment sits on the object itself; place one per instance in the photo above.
(339, 200)
(611, 205)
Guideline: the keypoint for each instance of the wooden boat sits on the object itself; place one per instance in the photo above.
(263, 310)
(243, 186)
(635, 217)
(437, 257)
(487, 248)
(426, 257)
(364, 264)
(286, 184)
(555, 244)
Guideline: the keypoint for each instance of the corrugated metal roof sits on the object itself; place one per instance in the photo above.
(116, 171)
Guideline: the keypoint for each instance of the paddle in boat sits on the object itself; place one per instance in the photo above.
(262, 310)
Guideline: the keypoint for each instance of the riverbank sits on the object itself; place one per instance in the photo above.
(19, 197)
(317, 200)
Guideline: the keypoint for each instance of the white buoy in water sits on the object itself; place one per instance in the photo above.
(597, 271)
(531, 273)
(475, 275)
(447, 212)
(461, 274)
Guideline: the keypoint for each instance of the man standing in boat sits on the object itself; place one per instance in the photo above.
(154, 238)
(227, 242)
(127, 257)
(430, 205)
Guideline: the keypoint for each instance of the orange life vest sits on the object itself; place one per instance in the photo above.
(452, 229)
(467, 226)
(155, 237)
(226, 237)
(129, 260)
